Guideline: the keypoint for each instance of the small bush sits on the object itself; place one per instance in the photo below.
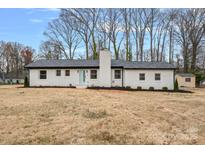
(164, 88)
(139, 88)
(128, 87)
(95, 115)
(176, 86)
(26, 82)
(151, 88)
(199, 78)
(17, 81)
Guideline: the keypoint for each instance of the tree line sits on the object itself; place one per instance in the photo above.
(13, 57)
(176, 36)
(172, 35)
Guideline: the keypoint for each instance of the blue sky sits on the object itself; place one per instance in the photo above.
(25, 26)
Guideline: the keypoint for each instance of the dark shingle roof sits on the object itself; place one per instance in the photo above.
(185, 74)
(95, 64)
(148, 65)
(63, 63)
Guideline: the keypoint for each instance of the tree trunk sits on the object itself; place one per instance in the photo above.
(186, 65)
(127, 48)
(116, 51)
(170, 46)
(94, 47)
(193, 61)
(137, 50)
(151, 51)
(86, 47)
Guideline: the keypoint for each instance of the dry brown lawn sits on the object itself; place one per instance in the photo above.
(83, 116)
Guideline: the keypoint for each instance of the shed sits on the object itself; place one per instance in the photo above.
(186, 80)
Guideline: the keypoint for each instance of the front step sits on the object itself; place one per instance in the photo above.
(81, 86)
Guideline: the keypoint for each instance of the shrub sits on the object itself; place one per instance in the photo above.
(17, 81)
(176, 86)
(139, 88)
(164, 88)
(95, 115)
(199, 77)
(128, 87)
(151, 88)
(26, 82)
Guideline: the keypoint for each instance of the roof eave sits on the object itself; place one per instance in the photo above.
(62, 67)
(150, 68)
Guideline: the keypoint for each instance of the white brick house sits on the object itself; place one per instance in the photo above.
(101, 73)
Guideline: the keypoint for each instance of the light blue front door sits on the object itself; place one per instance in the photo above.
(82, 77)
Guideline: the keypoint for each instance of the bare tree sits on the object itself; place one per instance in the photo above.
(50, 50)
(139, 26)
(126, 16)
(114, 29)
(2, 57)
(196, 19)
(151, 17)
(164, 27)
(182, 37)
(61, 32)
(171, 15)
(165, 32)
(103, 29)
(27, 55)
(87, 20)
(12, 61)
(160, 37)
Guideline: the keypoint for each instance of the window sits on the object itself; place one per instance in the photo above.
(157, 76)
(67, 72)
(142, 76)
(117, 74)
(58, 72)
(93, 74)
(187, 79)
(43, 74)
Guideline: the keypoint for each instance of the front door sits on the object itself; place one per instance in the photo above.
(82, 77)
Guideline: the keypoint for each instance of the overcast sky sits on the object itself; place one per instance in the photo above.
(25, 26)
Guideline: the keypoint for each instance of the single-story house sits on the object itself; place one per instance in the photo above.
(186, 80)
(104, 72)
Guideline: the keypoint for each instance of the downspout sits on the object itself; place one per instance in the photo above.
(3, 76)
(122, 77)
(174, 77)
(29, 77)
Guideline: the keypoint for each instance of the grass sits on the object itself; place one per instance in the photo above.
(89, 116)
(95, 115)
